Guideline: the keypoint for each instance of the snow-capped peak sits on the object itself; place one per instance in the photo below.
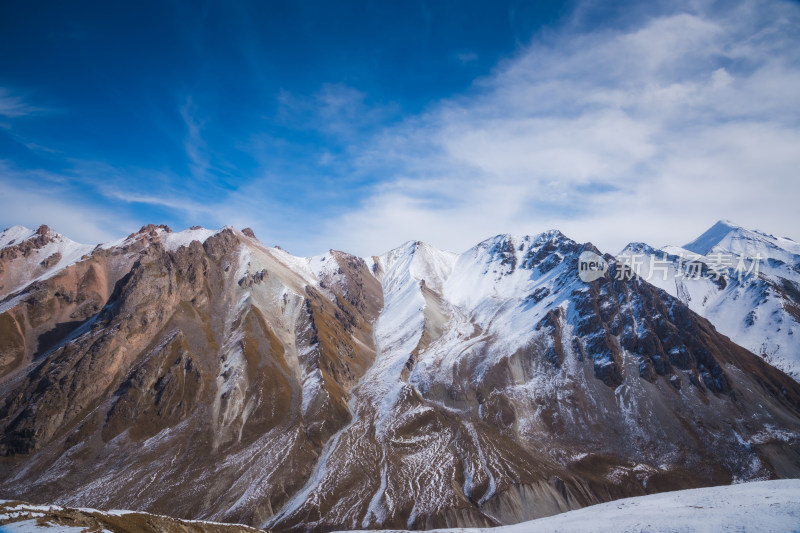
(43, 253)
(422, 261)
(727, 237)
(173, 241)
(713, 236)
(15, 235)
(637, 248)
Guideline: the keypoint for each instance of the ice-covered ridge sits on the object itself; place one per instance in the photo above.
(173, 241)
(506, 267)
(422, 261)
(474, 296)
(712, 237)
(15, 235)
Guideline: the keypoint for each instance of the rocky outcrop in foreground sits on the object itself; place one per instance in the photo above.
(14, 514)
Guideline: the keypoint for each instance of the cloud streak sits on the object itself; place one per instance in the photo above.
(14, 106)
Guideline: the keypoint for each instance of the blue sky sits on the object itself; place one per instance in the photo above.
(359, 125)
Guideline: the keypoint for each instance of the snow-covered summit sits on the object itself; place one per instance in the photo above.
(15, 235)
(416, 260)
(727, 237)
(171, 240)
(31, 255)
(637, 248)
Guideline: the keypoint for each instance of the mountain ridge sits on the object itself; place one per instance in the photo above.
(415, 389)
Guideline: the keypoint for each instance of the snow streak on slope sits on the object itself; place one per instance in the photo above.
(400, 326)
(403, 272)
(758, 507)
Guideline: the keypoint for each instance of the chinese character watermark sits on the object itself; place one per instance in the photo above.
(663, 267)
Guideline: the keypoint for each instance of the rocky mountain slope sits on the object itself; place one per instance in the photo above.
(757, 306)
(205, 375)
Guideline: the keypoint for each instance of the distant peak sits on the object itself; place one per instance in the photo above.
(152, 230)
(15, 234)
(16, 229)
(410, 247)
(637, 248)
(726, 224)
(545, 236)
(712, 237)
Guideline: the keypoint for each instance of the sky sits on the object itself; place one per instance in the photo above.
(359, 125)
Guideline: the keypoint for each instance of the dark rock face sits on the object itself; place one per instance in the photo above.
(225, 380)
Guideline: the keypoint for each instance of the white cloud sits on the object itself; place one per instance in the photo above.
(649, 133)
(194, 146)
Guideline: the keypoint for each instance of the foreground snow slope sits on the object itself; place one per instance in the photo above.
(764, 506)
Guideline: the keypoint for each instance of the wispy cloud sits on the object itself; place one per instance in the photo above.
(194, 145)
(161, 201)
(467, 57)
(335, 110)
(650, 132)
(13, 105)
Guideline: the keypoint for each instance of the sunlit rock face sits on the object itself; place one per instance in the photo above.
(204, 375)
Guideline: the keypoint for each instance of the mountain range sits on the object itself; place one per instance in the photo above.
(205, 375)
